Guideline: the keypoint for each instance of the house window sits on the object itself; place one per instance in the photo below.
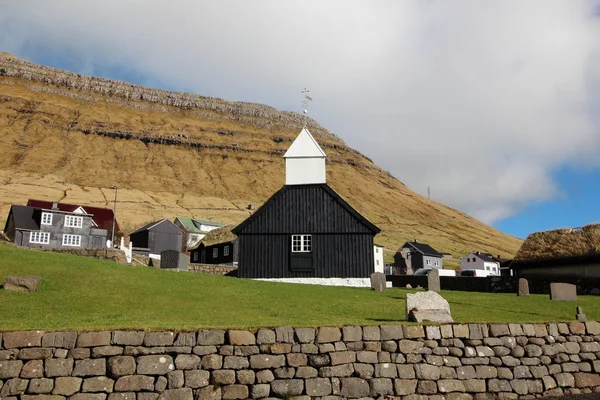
(436, 263)
(487, 267)
(226, 251)
(215, 252)
(46, 218)
(71, 240)
(301, 243)
(39, 237)
(473, 259)
(376, 250)
(468, 260)
(72, 221)
(377, 262)
(195, 258)
(428, 262)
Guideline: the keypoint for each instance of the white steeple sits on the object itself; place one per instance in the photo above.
(304, 161)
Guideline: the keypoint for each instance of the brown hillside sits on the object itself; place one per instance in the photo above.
(70, 137)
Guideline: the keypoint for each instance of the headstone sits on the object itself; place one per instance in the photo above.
(523, 287)
(408, 286)
(378, 281)
(433, 280)
(184, 262)
(169, 259)
(579, 315)
(563, 291)
(427, 306)
(21, 283)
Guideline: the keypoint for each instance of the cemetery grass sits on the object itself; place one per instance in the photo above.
(83, 294)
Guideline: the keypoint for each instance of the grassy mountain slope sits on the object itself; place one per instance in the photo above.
(69, 137)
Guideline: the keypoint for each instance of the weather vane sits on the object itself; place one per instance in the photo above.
(305, 102)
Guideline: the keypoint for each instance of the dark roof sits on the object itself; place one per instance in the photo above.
(327, 188)
(486, 257)
(103, 217)
(148, 226)
(24, 217)
(423, 248)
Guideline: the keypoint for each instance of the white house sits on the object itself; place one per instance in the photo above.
(481, 261)
(379, 263)
(304, 161)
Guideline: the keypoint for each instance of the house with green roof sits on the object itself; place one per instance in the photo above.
(196, 229)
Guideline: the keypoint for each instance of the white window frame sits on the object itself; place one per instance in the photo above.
(215, 252)
(46, 218)
(226, 251)
(436, 263)
(39, 237)
(72, 221)
(301, 243)
(71, 240)
(427, 262)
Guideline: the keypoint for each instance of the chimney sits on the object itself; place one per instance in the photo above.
(54, 205)
(304, 161)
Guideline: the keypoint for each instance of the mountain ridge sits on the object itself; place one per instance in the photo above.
(70, 137)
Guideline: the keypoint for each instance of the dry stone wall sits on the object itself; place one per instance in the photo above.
(212, 269)
(453, 362)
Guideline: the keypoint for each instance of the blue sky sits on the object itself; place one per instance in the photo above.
(495, 106)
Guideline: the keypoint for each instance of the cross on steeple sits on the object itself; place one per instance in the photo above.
(305, 102)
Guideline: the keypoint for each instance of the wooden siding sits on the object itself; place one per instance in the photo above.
(334, 256)
(304, 210)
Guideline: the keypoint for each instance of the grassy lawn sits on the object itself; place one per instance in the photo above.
(83, 293)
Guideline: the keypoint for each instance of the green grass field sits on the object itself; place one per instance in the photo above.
(83, 294)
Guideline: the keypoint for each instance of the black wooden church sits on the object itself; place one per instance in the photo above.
(305, 230)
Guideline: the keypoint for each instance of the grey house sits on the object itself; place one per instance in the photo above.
(52, 228)
(414, 255)
(156, 237)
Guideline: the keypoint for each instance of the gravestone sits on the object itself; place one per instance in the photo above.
(184, 262)
(169, 259)
(579, 315)
(427, 306)
(433, 280)
(563, 291)
(21, 283)
(523, 287)
(378, 282)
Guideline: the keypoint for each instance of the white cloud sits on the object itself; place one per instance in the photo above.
(479, 100)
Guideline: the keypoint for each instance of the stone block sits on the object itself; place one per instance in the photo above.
(21, 283)
(265, 376)
(177, 394)
(583, 379)
(519, 386)
(413, 331)
(498, 330)
(391, 332)
(378, 282)
(79, 353)
(405, 387)
(134, 383)
(12, 387)
(121, 366)
(381, 387)
(10, 369)
(187, 361)
(433, 332)
(499, 385)
(371, 333)
(433, 280)
(98, 384)
(187, 339)
(156, 339)
(106, 351)
(260, 391)
(35, 353)
(563, 291)
(523, 287)
(40, 386)
(264, 361)
(284, 334)
(287, 387)
(13, 340)
(245, 376)
(93, 339)
(196, 378)
(475, 386)
(155, 365)
(297, 359)
(128, 338)
(592, 327)
(210, 337)
(318, 387)
(342, 357)
(66, 386)
(577, 328)
(364, 371)
(90, 367)
(354, 387)
(328, 335)
(386, 370)
(32, 369)
(565, 380)
(450, 385)
(352, 333)
(241, 338)
(223, 377)
(427, 306)
(427, 372)
(125, 396)
(466, 372)
(265, 336)
(337, 371)
(63, 340)
(59, 367)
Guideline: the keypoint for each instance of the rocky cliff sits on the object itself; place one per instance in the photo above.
(70, 137)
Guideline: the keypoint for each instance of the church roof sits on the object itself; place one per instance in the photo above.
(305, 145)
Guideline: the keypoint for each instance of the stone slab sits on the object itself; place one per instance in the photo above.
(427, 305)
(21, 283)
(563, 291)
(523, 287)
(378, 281)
